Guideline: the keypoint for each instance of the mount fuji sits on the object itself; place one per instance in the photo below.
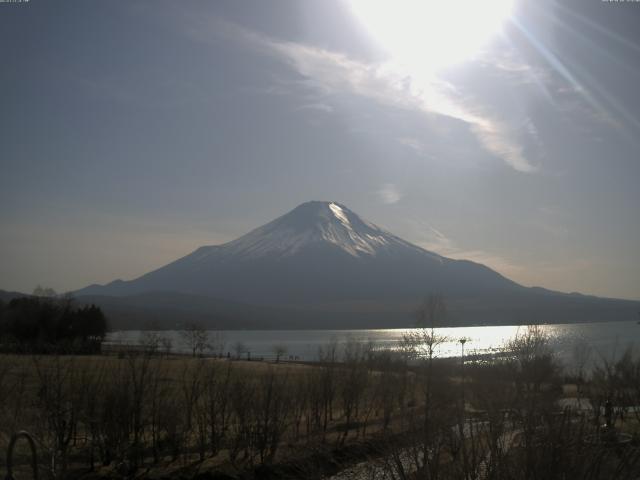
(322, 266)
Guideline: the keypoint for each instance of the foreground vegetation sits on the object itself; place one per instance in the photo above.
(406, 414)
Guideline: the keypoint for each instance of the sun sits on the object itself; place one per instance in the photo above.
(429, 35)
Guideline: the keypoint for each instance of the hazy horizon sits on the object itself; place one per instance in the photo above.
(135, 133)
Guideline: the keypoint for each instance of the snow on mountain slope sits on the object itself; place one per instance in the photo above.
(312, 224)
(322, 266)
(318, 252)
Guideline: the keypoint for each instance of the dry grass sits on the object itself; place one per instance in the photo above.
(175, 416)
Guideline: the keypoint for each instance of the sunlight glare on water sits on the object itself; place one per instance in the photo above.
(602, 340)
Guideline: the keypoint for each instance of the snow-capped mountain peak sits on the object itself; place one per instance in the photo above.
(323, 260)
(319, 251)
(313, 224)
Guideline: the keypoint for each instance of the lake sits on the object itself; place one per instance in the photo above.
(605, 340)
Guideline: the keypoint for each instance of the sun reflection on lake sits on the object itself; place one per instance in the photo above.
(602, 340)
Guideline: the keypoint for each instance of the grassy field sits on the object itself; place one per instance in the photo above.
(151, 416)
(166, 412)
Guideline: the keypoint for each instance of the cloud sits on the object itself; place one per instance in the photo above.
(318, 107)
(506, 61)
(552, 274)
(430, 238)
(389, 194)
(493, 121)
(386, 83)
(413, 144)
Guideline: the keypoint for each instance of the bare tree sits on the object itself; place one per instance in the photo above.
(239, 348)
(218, 382)
(59, 407)
(422, 345)
(353, 378)
(217, 343)
(159, 391)
(196, 337)
(140, 381)
(424, 340)
(150, 341)
(328, 382)
(272, 401)
(280, 351)
(46, 292)
(242, 394)
(533, 359)
(166, 344)
(91, 382)
(192, 383)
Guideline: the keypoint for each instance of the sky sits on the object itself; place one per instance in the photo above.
(133, 132)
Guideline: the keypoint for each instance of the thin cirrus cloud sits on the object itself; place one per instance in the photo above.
(386, 83)
(545, 272)
(503, 129)
(413, 144)
(317, 107)
(434, 240)
(389, 194)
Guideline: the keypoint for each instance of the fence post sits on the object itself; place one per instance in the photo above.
(34, 457)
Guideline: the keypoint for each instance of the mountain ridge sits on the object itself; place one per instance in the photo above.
(324, 239)
(321, 258)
